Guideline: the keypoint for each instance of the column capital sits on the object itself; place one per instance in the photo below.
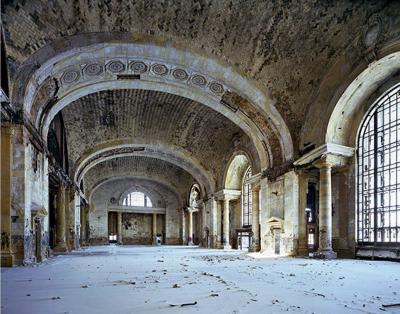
(330, 161)
(228, 194)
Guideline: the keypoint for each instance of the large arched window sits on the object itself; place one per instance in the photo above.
(137, 199)
(246, 200)
(378, 155)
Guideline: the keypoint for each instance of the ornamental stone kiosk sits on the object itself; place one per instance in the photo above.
(273, 236)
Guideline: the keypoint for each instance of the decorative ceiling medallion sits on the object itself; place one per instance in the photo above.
(138, 67)
(198, 80)
(159, 69)
(116, 66)
(180, 74)
(93, 69)
(216, 88)
(70, 76)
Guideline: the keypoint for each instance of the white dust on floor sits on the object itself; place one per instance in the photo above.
(139, 279)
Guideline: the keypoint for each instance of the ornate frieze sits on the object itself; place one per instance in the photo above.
(87, 71)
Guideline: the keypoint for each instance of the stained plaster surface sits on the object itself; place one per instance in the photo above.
(141, 279)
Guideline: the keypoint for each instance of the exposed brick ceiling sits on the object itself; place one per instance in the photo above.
(139, 167)
(148, 116)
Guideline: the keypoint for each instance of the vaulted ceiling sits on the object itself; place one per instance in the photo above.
(149, 117)
(284, 58)
(140, 168)
(286, 47)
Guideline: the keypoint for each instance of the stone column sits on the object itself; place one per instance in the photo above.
(61, 245)
(303, 190)
(83, 225)
(225, 239)
(69, 232)
(7, 258)
(214, 223)
(325, 207)
(77, 220)
(255, 225)
(190, 235)
(154, 228)
(119, 226)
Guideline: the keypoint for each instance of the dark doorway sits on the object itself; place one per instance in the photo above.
(112, 227)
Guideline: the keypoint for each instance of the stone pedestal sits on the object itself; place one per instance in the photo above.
(255, 225)
(61, 245)
(225, 238)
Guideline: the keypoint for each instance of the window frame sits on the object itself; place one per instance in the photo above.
(247, 200)
(128, 199)
(372, 164)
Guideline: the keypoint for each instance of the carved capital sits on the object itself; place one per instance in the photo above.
(330, 161)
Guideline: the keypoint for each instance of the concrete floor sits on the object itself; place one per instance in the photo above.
(139, 279)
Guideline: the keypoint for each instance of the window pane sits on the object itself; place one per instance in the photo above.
(246, 200)
(136, 199)
(379, 174)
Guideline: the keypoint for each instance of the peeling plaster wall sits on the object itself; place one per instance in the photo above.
(29, 197)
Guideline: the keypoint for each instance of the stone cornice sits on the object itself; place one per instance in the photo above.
(137, 209)
(228, 194)
(324, 150)
(254, 179)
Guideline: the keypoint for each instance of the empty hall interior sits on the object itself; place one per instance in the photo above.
(208, 156)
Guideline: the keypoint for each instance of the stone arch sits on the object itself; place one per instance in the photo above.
(147, 192)
(345, 94)
(162, 182)
(237, 166)
(359, 96)
(224, 85)
(174, 155)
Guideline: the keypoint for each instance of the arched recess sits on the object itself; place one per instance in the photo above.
(198, 78)
(358, 97)
(235, 170)
(124, 148)
(162, 182)
(151, 194)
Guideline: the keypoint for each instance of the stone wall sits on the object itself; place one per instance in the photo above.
(29, 200)
(137, 228)
(169, 225)
(282, 215)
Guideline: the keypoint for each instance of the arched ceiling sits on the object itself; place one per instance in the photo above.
(142, 168)
(285, 48)
(143, 117)
(115, 187)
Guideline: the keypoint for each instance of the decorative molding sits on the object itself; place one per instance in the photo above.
(275, 223)
(137, 209)
(115, 66)
(329, 148)
(228, 194)
(86, 71)
(254, 179)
